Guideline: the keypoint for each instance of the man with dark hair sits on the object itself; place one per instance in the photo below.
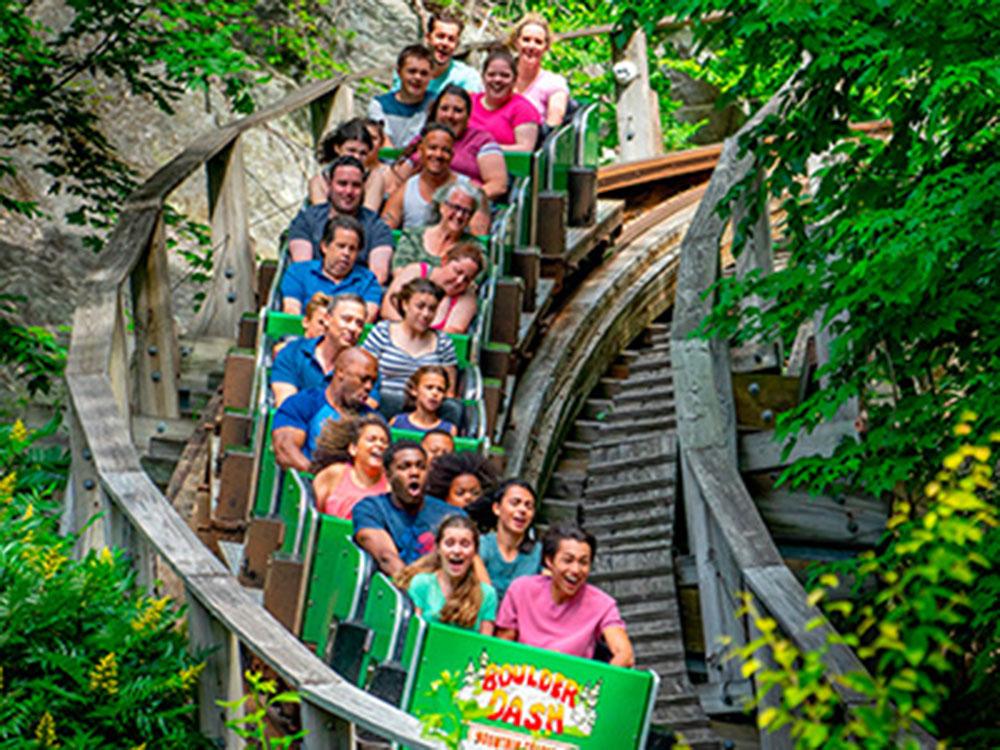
(404, 111)
(308, 363)
(437, 442)
(337, 273)
(346, 190)
(399, 527)
(300, 418)
(561, 611)
(444, 31)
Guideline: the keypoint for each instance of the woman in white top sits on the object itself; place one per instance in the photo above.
(548, 91)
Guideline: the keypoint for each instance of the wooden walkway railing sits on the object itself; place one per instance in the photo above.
(733, 548)
(123, 357)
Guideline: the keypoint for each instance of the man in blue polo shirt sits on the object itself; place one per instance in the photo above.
(404, 111)
(300, 419)
(346, 191)
(308, 363)
(337, 273)
(399, 527)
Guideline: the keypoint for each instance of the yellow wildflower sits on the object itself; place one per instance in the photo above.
(51, 563)
(968, 416)
(7, 486)
(105, 675)
(139, 747)
(29, 512)
(19, 433)
(105, 556)
(150, 616)
(189, 675)
(45, 732)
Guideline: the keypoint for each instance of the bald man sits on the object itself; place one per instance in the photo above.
(300, 418)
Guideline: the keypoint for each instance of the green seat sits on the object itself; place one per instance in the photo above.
(389, 154)
(337, 579)
(518, 163)
(267, 475)
(283, 324)
(293, 510)
(387, 614)
(462, 444)
(279, 324)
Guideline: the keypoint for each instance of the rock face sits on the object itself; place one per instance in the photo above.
(44, 260)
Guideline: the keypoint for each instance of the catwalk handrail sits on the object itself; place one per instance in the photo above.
(732, 546)
(132, 285)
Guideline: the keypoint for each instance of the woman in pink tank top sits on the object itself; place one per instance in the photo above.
(348, 463)
(456, 276)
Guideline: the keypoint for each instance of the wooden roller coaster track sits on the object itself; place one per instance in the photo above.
(663, 260)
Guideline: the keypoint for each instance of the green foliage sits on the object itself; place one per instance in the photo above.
(87, 660)
(933, 575)
(253, 725)
(449, 723)
(50, 79)
(896, 248)
(34, 353)
(578, 58)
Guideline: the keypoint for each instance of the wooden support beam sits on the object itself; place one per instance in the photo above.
(237, 379)
(235, 429)
(156, 351)
(526, 264)
(507, 307)
(551, 232)
(495, 360)
(761, 397)
(718, 610)
(760, 451)
(246, 336)
(799, 518)
(221, 680)
(263, 538)
(638, 110)
(266, 273)
(232, 292)
(235, 480)
(582, 196)
(282, 590)
(327, 112)
(324, 730)
(493, 397)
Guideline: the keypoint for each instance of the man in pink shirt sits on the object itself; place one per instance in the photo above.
(562, 612)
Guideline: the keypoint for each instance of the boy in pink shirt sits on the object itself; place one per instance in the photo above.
(562, 612)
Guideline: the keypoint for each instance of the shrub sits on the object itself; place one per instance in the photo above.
(87, 659)
(925, 622)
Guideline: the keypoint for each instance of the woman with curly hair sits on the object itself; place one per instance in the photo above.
(460, 478)
(347, 463)
(443, 584)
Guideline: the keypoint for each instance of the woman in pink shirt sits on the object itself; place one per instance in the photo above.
(561, 611)
(348, 463)
(510, 118)
(548, 91)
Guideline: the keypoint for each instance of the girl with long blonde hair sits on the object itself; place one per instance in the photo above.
(443, 584)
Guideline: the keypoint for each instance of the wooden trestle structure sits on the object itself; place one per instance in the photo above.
(656, 263)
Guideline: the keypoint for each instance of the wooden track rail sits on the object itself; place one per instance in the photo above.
(733, 548)
(106, 475)
(615, 302)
